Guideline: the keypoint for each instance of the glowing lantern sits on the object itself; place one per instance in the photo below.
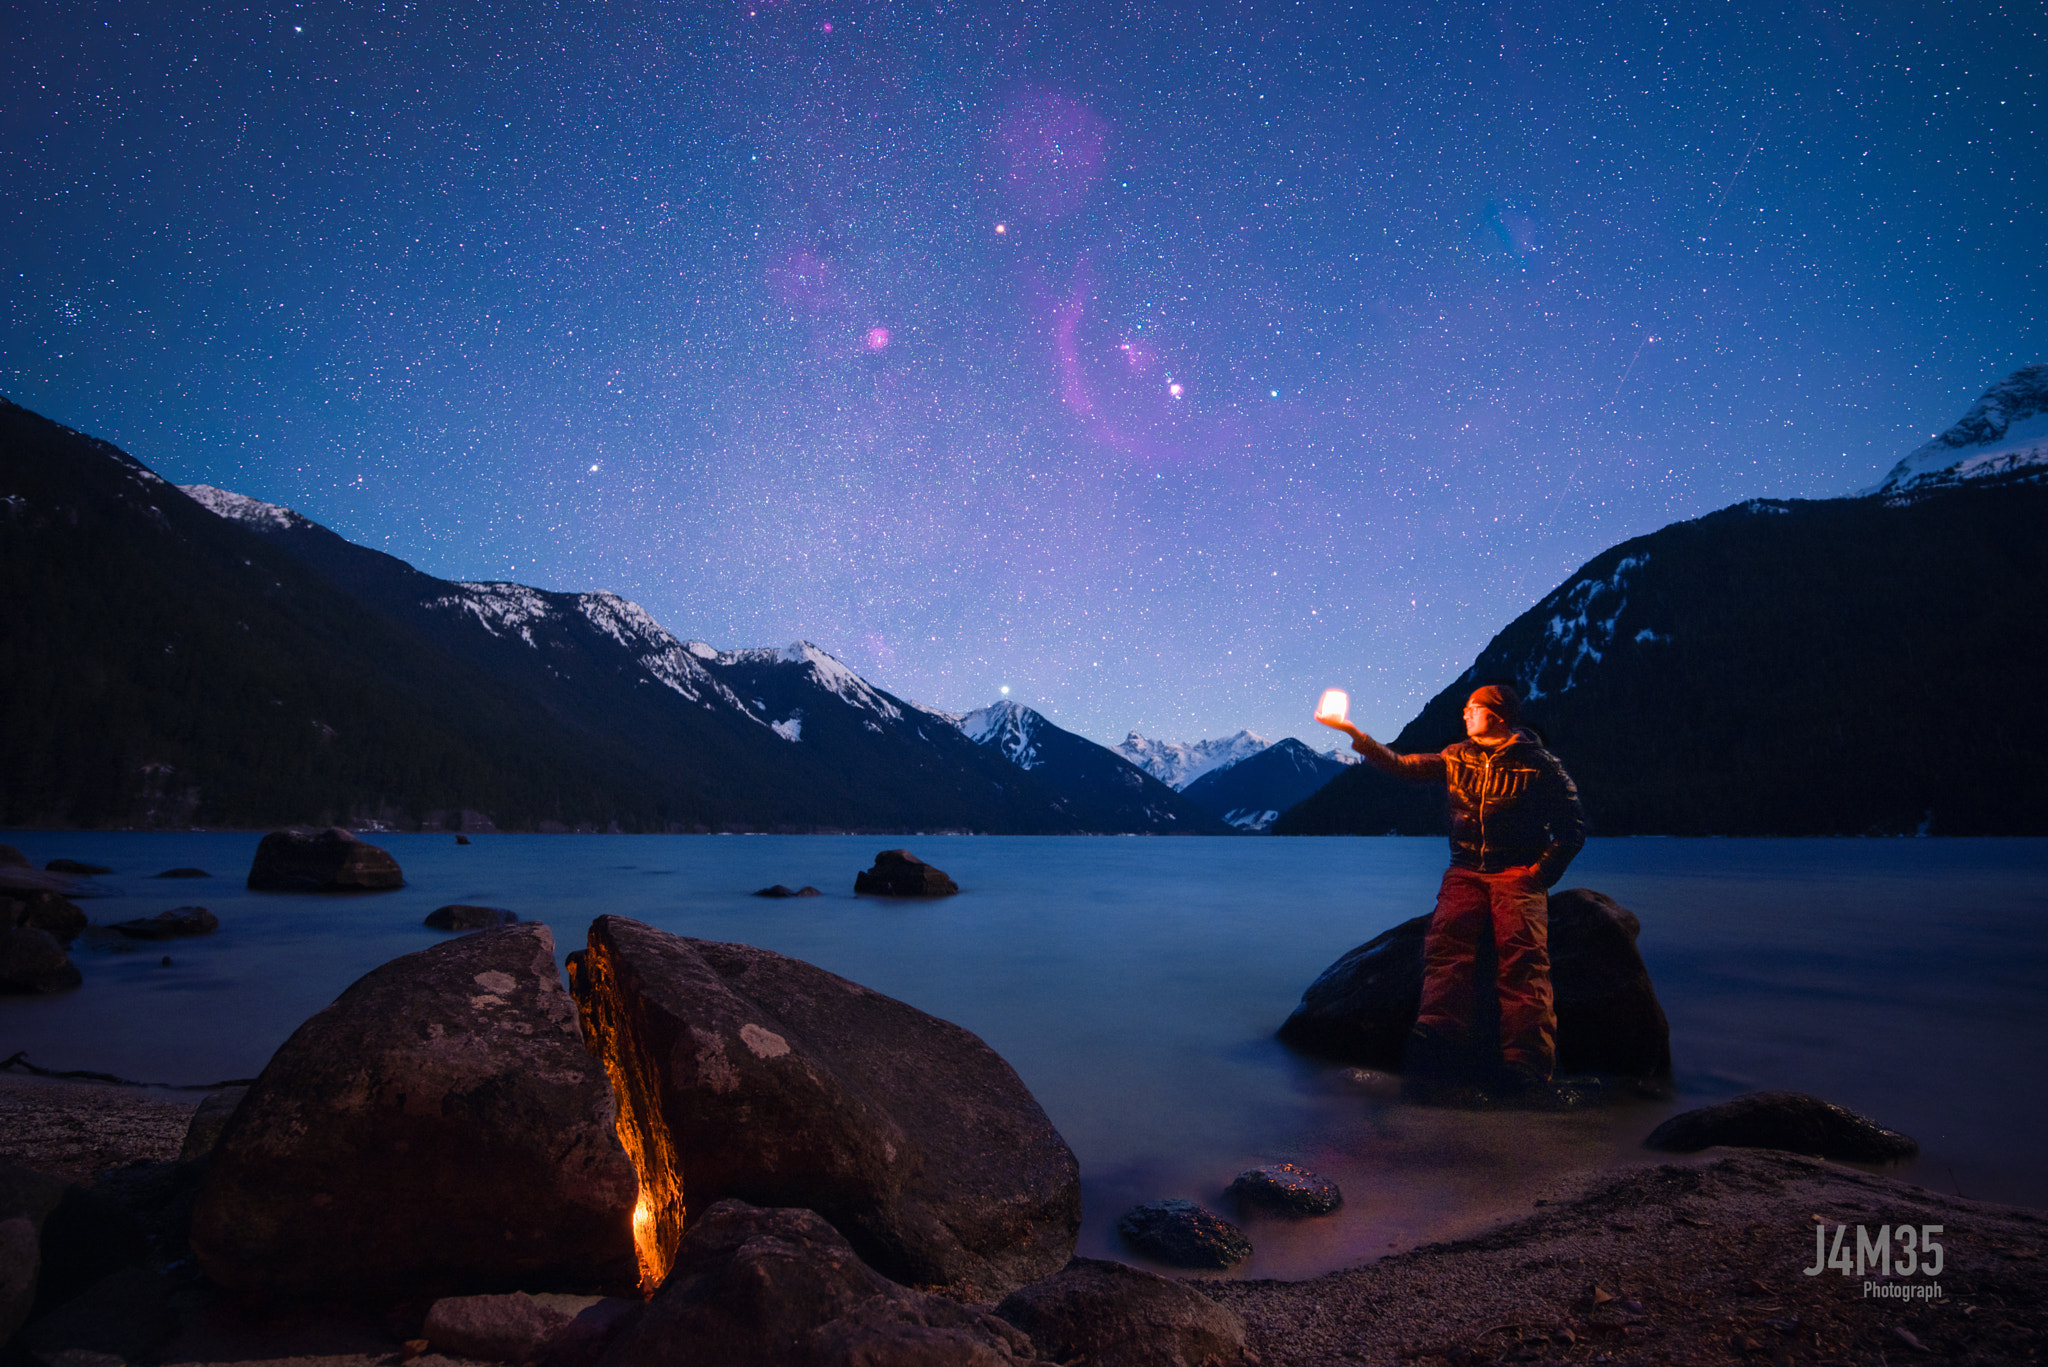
(1335, 705)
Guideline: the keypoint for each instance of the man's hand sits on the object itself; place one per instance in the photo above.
(1340, 724)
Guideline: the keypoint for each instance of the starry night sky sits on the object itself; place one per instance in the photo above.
(1162, 364)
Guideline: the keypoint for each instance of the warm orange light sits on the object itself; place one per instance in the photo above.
(1335, 705)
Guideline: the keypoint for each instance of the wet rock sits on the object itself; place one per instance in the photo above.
(73, 866)
(439, 1130)
(1609, 1022)
(11, 858)
(1182, 1234)
(32, 963)
(899, 873)
(768, 1080)
(462, 840)
(330, 860)
(118, 1319)
(1284, 1189)
(19, 1262)
(753, 1286)
(460, 917)
(1791, 1121)
(177, 924)
(1113, 1315)
(512, 1328)
(79, 1238)
(183, 873)
(204, 1130)
(43, 910)
(781, 890)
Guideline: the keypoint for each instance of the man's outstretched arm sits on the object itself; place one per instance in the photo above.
(1415, 768)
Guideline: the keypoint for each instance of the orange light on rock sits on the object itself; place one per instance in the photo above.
(1335, 705)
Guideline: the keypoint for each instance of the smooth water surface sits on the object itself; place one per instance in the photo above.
(1135, 985)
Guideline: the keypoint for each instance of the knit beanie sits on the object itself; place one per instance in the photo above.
(1501, 700)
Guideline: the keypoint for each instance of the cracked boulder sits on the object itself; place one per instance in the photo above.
(439, 1130)
(748, 1076)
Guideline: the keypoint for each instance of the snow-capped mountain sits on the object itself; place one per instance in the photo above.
(1097, 785)
(1251, 793)
(205, 658)
(1177, 764)
(2004, 433)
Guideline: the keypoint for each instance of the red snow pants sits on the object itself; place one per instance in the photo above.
(1520, 912)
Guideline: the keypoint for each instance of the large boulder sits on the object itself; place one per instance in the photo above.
(44, 910)
(1792, 1121)
(1114, 1315)
(745, 1075)
(899, 873)
(439, 1130)
(330, 860)
(1609, 1023)
(32, 963)
(753, 1286)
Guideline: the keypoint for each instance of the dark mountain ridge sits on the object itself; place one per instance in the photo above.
(232, 664)
(1858, 666)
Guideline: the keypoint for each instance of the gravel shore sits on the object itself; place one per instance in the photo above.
(1699, 1263)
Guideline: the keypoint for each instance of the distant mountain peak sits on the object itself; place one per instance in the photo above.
(1008, 726)
(2005, 431)
(1179, 763)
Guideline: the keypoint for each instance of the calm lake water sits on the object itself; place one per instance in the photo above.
(1135, 985)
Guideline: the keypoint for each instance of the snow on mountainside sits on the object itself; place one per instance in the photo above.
(1177, 764)
(1010, 727)
(240, 507)
(2005, 431)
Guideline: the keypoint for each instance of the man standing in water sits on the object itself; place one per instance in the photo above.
(1515, 825)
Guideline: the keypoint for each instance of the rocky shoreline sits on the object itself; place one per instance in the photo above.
(1661, 1264)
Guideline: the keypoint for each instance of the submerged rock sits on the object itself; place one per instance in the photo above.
(1182, 1234)
(753, 1286)
(1114, 1315)
(1609, 1022)
(461, 917)
(183, 873)
(1284, 1189)
(330, 860)
(1792, 1121)
(899, 873)
(73, 866)
(439, 1130)
(750, 1076)
(170, 925)
(782, 890)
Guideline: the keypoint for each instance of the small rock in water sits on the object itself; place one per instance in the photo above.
(462, 840)
(899, 873)
(461, 917)
(1182, 1234)
(781, 890)
(165, 962)
(184, 873)
(170, 925)
(74, 866)
(1285, 1189)
(1791, 1121)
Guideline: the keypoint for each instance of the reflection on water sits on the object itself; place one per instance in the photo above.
(1135, 985)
